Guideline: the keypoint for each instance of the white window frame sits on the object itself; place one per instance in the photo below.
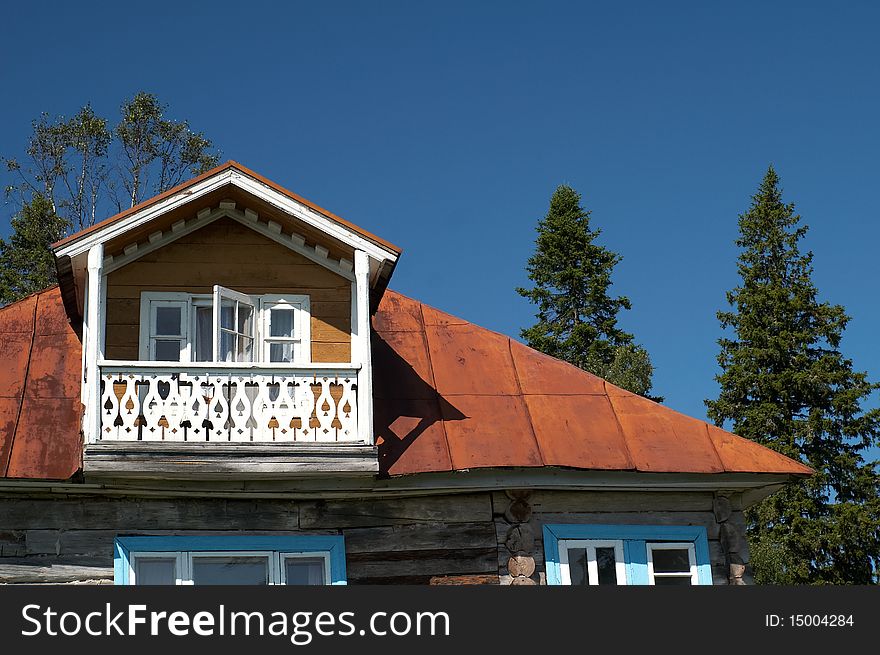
(666, 545)
(592, 566)
(224, 293)
(300, 304)
(262, 303)
(303, 555)
(184, 562)
(179, 564)
(149, 302)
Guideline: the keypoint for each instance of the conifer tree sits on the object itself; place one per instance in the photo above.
(26, 261)
(786, 384)
(576, 315)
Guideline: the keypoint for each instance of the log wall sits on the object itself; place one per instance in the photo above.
(439, 539)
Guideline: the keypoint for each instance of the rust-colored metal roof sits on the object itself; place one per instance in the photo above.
(452, 396)
(448, 396)
(40, 407)
(214, 171)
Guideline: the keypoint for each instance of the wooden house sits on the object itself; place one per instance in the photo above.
(222, 389)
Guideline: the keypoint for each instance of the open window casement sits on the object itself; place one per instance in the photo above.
(234, 333)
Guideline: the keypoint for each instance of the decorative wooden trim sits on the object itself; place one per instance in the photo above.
(160, 239)
(246, 183)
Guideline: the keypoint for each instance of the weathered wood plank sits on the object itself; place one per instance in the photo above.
(142, 514)
(420, 536)
(40, 570)
(610, 501)
(465, 508)
(430, 563)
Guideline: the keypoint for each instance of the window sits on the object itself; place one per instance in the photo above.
(626, 555)
(225, 326)
(672, 564)
(236, 560)
(591, 562)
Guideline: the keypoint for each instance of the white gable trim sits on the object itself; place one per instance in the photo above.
(145, 215)
(246, 183)
(249, 219)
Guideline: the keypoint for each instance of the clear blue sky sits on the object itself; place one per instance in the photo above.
(444, 127)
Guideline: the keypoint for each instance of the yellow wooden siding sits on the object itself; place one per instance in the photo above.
(230, 254)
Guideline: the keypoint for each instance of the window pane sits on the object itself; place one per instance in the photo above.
(227, 313)
(204, 345)
(304, 570)
(281, 323)
(678, 581)
(245, 349)
(281, 352)
(671, 560)
(245, 319)
(606, 562)
(230, 570)
(577, 566)
(166, 350)
(168, 321)
(227, 347)
(154, 571)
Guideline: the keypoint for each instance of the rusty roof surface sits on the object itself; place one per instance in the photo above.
(449, 395)
(210, 173)
(40, 407)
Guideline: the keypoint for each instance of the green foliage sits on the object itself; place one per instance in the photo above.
(76, 170)
(147, 138)
(576, 316)
(785, 384)
(26, 262)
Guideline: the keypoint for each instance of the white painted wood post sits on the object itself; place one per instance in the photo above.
(360, 344)
(94, 340)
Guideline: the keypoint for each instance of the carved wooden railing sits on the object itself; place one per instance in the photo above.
(142, 401)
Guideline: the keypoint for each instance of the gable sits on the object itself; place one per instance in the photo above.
(230, 254)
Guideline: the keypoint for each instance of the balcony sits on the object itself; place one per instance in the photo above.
(159, 419)
(146, 401)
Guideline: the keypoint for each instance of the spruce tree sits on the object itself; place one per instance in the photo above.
(26, 261)
(576, 315)
(785, 383)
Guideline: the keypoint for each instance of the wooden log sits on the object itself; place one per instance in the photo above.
(147, 514)
(461, 580)
(519, 511)
(464, 508)
(38, 570)
(420, 536)
(548, 501)
(521, 565)
(431, 563)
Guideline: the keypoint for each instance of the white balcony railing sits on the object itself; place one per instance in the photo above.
(145, 401)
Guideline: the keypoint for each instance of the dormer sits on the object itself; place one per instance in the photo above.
(226, 331)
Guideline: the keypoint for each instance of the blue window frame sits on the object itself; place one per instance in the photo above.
(640, 547)
(287, 559)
